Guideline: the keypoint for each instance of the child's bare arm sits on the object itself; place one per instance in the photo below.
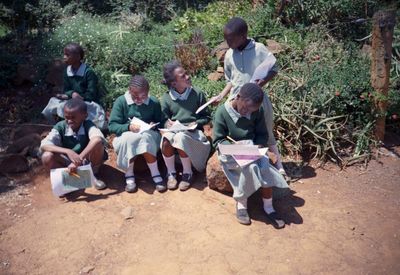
(74, 157)
(223, 94)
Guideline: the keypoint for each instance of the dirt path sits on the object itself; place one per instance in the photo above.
(338, 222)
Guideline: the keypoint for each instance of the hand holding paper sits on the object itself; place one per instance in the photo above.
(212, 100)
(242, 153)
(177, 126)
(140, 126)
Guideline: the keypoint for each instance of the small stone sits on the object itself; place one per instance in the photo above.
(353, 228)
(86, 269)
(152, 203)
(100, 255)
(127, 212)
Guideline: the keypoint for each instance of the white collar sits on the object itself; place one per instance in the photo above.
(235, 115)
(175, 95)
(79, 72)
(130, 101)
(69, 132)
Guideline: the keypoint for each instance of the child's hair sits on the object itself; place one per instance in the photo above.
(253, 92)
(138, 81)
(76, 104)
(75, 48)
(237, 26)
(168, 72)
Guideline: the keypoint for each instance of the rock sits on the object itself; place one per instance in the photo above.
(55, 73)
(215, 76)
(275, 47)
(86, 269)
(13, 163)
(25, 72)
(100, 255)
(31, 141)
(216, 178)
(220, 51)
(127, 212)
(27, 129)
(220, 69)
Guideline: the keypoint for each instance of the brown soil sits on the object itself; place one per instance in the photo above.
(338, 222)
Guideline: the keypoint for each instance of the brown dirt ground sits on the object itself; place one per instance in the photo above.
(338, 222)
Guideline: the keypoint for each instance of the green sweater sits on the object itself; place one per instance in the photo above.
(71, 142)
(253, 128)
(122, 112)
(86, 86)
(185, 110)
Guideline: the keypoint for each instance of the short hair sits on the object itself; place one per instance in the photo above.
(75, 48)
(237, 26)
(252, 92)
(76, 104)
(138, 81)
(168, 72)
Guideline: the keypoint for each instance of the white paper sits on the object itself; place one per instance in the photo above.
(177, 127)
(243, 154)
(202, 107)
(143, 125)
(263, 69)
(57, 184)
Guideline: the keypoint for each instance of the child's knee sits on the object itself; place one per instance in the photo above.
(166, 144)
(48, 159)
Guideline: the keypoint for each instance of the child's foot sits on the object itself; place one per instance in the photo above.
(276, 220)
(130, 184)
(242, 216)
(99, 184)
(172, 183)
(185, 182)
(159, 183)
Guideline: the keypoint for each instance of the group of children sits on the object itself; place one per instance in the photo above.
(245, 116)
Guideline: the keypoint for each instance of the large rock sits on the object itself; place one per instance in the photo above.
(13, 163)
(215, 76)
(220, 51)
(275, 47)
(31, 141)
(216, 178)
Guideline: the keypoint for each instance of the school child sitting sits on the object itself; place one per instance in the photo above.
(240, 62)
(74, 141)
(242, 119)
(80, 81)
(129, 143)
(180, 103)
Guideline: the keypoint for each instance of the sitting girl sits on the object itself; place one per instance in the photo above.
(132, 141)
(242, 119)
(180, 104)
(80, 81)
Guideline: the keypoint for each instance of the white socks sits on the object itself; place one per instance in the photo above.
(129, 172)
(268, 208)
(274, 149)
(155, 172)
(187, 165)
(241, 204)
(170, 163)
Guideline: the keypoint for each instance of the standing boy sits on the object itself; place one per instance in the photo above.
(241, 60)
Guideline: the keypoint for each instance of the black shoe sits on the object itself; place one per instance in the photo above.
(186, 181)
(160, 186)
(243, 216)
(276, 220)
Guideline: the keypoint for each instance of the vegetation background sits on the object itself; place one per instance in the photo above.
(322, 96)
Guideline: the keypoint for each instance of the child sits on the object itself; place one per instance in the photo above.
(74, 141)
(241, 60)
(80, 81)
(242, 119)
(180, 103)
(129, 143)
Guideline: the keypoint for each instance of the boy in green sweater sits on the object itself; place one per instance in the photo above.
(131, 140)
(80, 81)
(74, 141)
(180, 104)
(242, 119)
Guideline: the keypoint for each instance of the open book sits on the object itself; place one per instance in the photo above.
(177, 127)
(143, 125)
(242, 153)
(263, 69)
(62, 182)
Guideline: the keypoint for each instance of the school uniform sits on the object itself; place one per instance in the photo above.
(128, 144)
(248, 179)
(182, 107)
(239, 67)
(83, 81)
(62, 135)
